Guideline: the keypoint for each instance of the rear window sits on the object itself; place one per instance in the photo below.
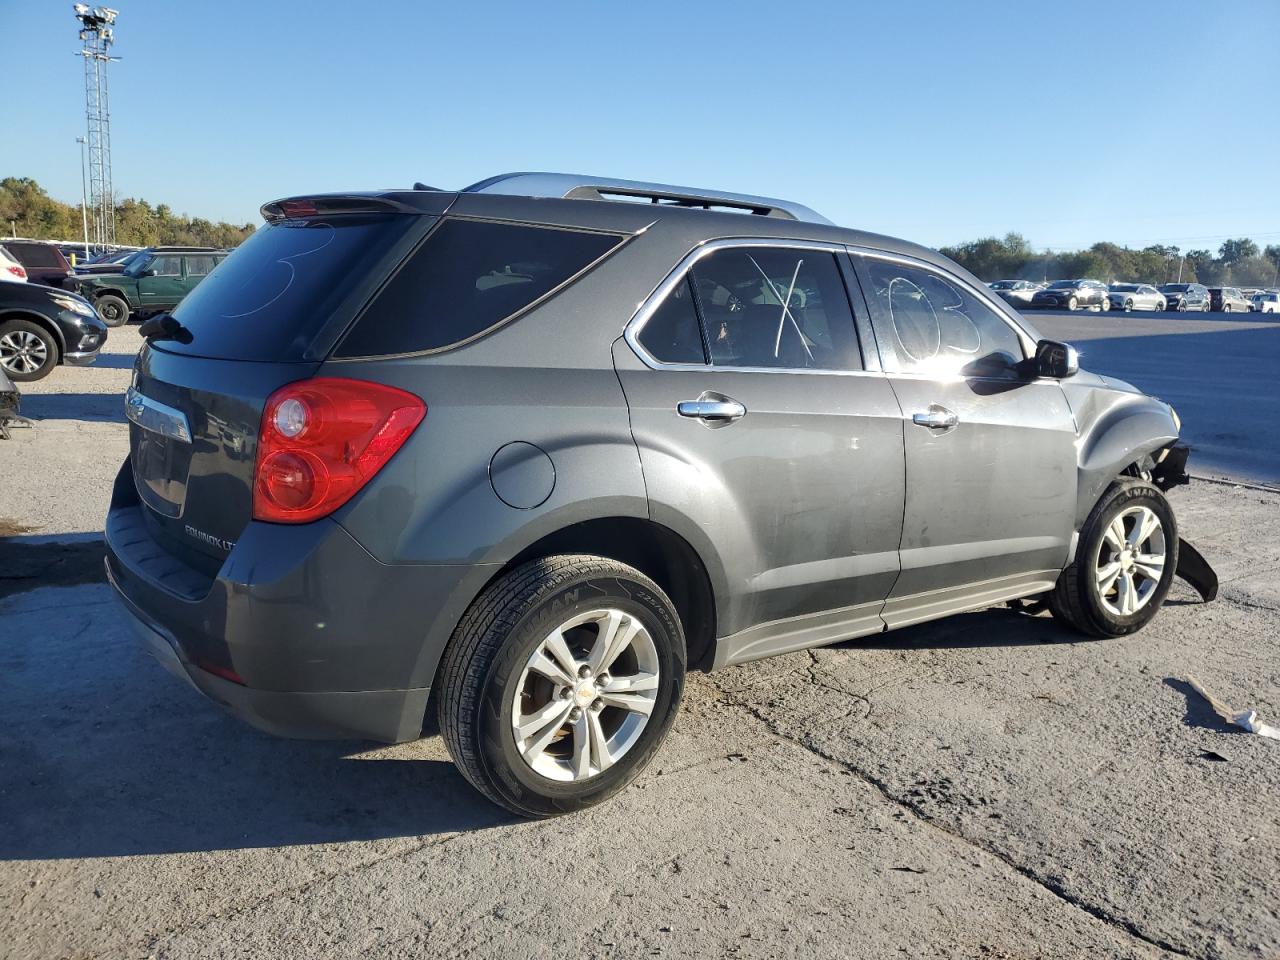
(270, 298)
(466, 278)
(35, 254)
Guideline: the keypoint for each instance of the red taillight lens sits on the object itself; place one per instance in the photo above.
(18, 271)
(322, 440)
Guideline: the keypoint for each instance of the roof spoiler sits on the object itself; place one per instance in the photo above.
(333, 204)
(571, 186)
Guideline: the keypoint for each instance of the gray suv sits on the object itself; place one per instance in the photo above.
(528, 451)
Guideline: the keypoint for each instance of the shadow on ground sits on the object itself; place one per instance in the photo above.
(103, 753)
(94, 407)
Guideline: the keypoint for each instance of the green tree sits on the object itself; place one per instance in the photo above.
(1235, 251)
(27, 210)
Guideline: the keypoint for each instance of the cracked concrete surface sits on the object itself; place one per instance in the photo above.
(985, 786)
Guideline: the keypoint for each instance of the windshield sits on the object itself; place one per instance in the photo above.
(1062, 285)
(1002, 285)
(1125, 287)
(1175, 288)
(135, 264)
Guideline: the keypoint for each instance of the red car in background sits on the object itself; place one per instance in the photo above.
(44, 262)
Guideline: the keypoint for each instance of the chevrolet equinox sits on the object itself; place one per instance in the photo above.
(525, 452)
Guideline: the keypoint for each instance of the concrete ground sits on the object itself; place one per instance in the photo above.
(986, 786)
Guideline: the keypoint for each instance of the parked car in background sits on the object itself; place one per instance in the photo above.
(1135, 296)
(41, 327)
(1265, 302)
(1016, 292)
(1072, 295)
(107, 263)
(156, 279)
(516, 454)
(11, 269)
(1228, 300)
(1185, 296)
(44, 262)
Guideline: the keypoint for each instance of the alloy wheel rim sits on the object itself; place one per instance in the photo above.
(1130, 561)
(22, 352)
(585, 695)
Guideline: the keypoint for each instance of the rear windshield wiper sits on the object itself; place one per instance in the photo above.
(164, 326)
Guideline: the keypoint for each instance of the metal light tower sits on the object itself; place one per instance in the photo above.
(97, 34)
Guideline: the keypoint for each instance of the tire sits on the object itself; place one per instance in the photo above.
(488, 673)
(113, 310)
(1226, 308)
(1105, 305)
(28, 352)
(1205, 308)
(1072, 303)
(1078, 599)
(1182, 306)
(1128, 306)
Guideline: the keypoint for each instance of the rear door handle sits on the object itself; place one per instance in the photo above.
(936, 418)
(720, 411)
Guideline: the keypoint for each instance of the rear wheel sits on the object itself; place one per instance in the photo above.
(1128, 306)
(1226, 308)
(1072, 303)
(1182, 306)
(560, 683)
(28, 351)
(1105, 305)
(1124, 564)
(113, 310)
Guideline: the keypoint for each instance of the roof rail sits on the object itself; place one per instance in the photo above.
(572, 186)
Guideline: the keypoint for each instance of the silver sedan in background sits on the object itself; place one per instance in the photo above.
(1135, 296)
(1016, 292)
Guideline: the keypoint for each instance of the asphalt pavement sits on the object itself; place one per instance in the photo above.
(1220, 371)
(986, 786)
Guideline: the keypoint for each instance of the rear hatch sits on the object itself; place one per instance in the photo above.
(265, 317)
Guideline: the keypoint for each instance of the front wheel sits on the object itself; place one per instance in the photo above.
(1125, 560)
(28, 351)
(1226, 308)
(113, 310)
(560, 683)
(1072, 303)
(1128, 306)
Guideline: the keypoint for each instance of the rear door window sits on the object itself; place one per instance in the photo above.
(166, 266)
(199, 266)
(776, 307)
(467, 278)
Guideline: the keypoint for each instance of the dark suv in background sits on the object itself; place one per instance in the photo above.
(1072, 295)
(44, 262)
(1228, 299)
(156, 279)
(1185, 296)
(524, 453)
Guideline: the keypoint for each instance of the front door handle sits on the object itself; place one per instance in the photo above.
(936, 418)
(718, 411)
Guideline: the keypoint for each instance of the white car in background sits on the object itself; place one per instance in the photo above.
(11, 269)
(1135, 296)
(1268, 301)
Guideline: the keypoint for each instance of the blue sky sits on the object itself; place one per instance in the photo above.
(1136, 122)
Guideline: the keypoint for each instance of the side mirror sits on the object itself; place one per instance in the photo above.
(149, 272)
(1056, 360)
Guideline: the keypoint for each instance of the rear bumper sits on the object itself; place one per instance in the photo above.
(387, 715)
(328, 641)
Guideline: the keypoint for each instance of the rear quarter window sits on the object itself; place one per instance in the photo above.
(36, 255)
(466, 278)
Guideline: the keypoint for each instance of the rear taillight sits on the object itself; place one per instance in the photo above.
(18, 271)
(322, 440)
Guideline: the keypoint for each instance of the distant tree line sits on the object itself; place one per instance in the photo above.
(27, 210)
(1239, 263)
